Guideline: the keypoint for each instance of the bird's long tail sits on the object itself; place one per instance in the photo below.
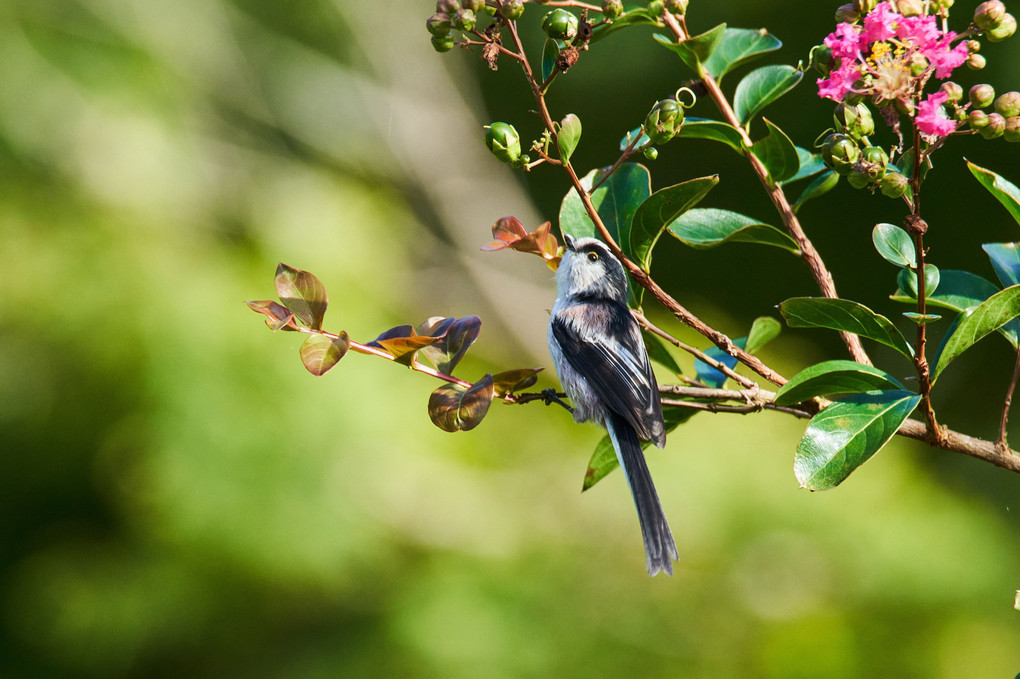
(660, 550)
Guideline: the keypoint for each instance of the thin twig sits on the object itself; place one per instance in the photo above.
(1006, 404)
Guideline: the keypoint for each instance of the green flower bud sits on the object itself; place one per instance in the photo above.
(989, 14)
(560, 24)
(1008, 104)
(840, 153)
(504, 142)
(611, 9)
(981, 95)
(664, 121)
(975, 61)
(1005, 29)
(918, 64)
(893, 185)
(995, 128)
(854, 120)
(977, 119)
(464, 20)
(447, 6)
(973, 46)
(678, 7)
(475, 6)
(847, 14)
(1012, 130)
(655, 8)
(857, 179)
(942, 5)
(650, 152)
(512, 9)
(910, 8)
(953, 91)
(874, 161)
(864, 6)
(442, 43)
(438, 24)
(904, 107)
(822, 60)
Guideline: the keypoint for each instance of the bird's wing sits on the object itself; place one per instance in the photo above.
(612, 358)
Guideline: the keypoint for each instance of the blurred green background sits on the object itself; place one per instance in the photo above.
(180, 498)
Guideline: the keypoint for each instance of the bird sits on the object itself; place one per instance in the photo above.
(601, 361)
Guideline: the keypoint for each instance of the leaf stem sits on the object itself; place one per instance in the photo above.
(1001, 443)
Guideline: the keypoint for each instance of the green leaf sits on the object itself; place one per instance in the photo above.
(319, 352)
(632, 17)
(1005, 258)
(907, 280)
(454, 408)
(834, 377)
(302, 293)
(959, 291)
(777, 153)
(696, 50)
(659, 210)
(739, 46)
(616, 200)
(846, 434)
(761, 87)
(763, 330)
(709, 227)
(975, 323)
(824, 183)
(658, 352)
(1005, 191)
(568, 135)
(550, 51)
(810, 164)
(513, 381)
(894, 245)
(603, 459)
(714, 130)
(921, 319)
(844, 315)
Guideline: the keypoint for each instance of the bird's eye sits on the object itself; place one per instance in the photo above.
(593, 256)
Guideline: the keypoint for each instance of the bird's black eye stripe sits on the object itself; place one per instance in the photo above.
(593, 256)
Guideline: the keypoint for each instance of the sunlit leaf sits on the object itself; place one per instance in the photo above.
(714, 130)
(976, 322)
(319, 352)
(278, 317)
(846, 434)
(761, 87)
(777, 153)
(1005, 258)
(695, 50)
(302, 293)
(1005, 191)
(763, 330)
(659, 210)
(616, 200)
(907, 280)
(568, 135)
(822, 184)
(402, 342)
(894, 245)
(921, 319)
(834, 377)
(959, 291)
(513, 381)
(739, 46)
(810, 164)
(844, 315)
(603, 459)
(505, 232)
(454, 408)
(456, 337)
(709, 227)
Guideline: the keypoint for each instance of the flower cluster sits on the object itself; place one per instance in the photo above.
(888, 57)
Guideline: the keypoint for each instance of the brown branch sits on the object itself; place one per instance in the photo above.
(1001, 443)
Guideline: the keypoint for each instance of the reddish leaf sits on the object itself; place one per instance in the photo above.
(514, 380)
(320, 352)
(458, 335)
(278, 317)
(303, 294)
(454, 408)
(506, 231)
(436, 326)
(402, 342)
(510, 234)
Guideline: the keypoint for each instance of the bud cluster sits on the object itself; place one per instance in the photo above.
(1004, 119)
(461, 15)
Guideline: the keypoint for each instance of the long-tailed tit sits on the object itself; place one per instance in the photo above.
(603, 366)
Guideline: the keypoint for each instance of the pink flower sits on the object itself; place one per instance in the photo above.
(921, 30)
(931, 119)
(844, 41)
(839, 82)
(944, 58)
(880, 23)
